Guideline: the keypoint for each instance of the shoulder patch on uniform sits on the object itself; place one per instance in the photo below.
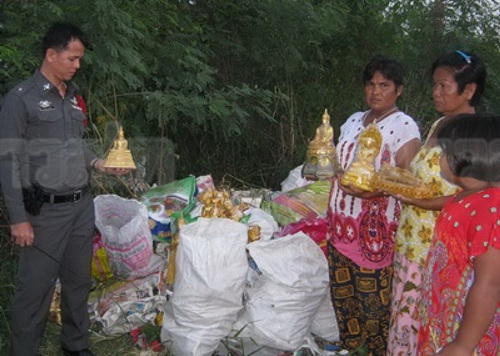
(24, 87)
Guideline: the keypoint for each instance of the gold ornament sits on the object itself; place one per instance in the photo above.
(170, 275)
(401, 181)
(218, 204)
(361, 171)
(321, 160)
(253, 233)
(55, 308)
(119, 156)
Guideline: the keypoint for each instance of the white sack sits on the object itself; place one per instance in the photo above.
(282, 302)
(211, 266)
(325, 323)
(268, 226)
(123, 224)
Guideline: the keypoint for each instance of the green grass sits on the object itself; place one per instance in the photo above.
(8, 262)
(101, 346)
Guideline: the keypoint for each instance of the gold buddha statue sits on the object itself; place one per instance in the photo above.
(361, 170)
(321, 161)
(119, 156)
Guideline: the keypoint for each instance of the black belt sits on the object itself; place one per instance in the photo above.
(70, 198)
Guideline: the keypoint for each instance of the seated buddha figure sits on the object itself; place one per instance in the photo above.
(119, 156)
(321, 160)
(361, 170)
(324, 133)
(120, 144)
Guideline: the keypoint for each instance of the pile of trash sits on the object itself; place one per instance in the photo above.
(221, 271)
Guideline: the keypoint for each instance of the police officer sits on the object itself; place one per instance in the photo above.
(44, 172)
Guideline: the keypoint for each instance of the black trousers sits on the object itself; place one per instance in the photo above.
(63, 249)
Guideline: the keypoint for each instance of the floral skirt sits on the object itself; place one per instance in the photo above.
(361, 299)
(403, 332)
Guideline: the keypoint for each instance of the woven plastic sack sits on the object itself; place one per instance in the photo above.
(211, 266)
(264, 220)
(282, 302)
(325, 323)
(123, 224)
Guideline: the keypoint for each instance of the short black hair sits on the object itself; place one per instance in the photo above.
(388, 67)
(467, 68)
(471, 145)
(60, 34)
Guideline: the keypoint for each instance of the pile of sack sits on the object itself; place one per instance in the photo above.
(221, 270)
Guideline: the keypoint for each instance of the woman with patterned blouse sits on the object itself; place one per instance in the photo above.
(460, 307)
(459, 79)
(362, 224)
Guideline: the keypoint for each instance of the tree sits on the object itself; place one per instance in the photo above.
(236, 89)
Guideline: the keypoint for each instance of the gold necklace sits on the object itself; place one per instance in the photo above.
(381, 117)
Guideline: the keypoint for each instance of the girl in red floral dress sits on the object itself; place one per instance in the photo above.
(460, 310)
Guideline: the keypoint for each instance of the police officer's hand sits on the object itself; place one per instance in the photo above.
(99, 166)
(22, 234)
(118, 171)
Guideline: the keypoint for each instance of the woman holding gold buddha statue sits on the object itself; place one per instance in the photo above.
(459, 80)
(363, 222)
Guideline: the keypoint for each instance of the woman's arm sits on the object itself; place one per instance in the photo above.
(403, 158)
(406, 153)
(480, 306)
(359, 193)
(427, 204)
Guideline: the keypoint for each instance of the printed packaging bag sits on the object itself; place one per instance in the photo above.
(167, 202)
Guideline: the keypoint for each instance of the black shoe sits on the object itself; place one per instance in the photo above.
(84, 352)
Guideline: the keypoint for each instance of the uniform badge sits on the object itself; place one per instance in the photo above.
(45, 105)
(46, 86)
(74, 104)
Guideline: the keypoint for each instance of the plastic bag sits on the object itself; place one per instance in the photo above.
(309, 202)
(120, 291)
(166, 202)
(124, 317)
(124, 305)
(265, 221)
(123, 224)
(100, 268)
(316, 229)
(204, 182)
(295, 180)
(281, 304)
(211, 266)
(310, 347)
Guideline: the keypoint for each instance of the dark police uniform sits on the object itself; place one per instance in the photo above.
(42, 145)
